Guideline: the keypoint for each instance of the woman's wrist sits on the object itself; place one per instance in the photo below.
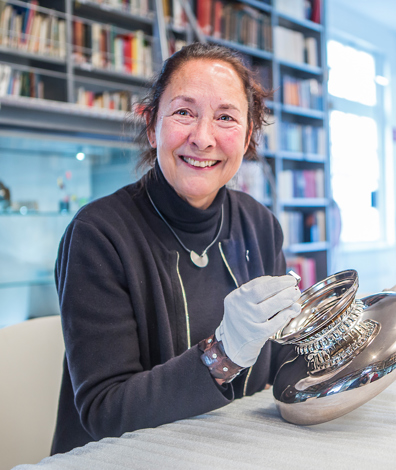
(220, 366)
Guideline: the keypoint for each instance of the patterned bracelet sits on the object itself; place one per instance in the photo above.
(215, 358)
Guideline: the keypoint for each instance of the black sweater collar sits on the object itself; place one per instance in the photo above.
(178, 212)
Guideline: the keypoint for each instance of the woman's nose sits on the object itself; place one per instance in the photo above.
(202, 134)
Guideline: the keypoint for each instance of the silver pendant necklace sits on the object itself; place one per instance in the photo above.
(201, 260)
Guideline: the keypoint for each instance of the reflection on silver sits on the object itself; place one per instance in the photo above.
(344, 351)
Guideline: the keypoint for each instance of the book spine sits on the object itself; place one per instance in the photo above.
(204, 14)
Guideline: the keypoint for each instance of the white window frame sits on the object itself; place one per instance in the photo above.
(381, 114)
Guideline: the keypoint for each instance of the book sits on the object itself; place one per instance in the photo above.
(305, 268)
(294, 8)
(217, 19)
(290, 45)
(311, 51)
(204, 16)
(303, 93)
(33, 39)
(178, 15)
(60, 48)
(20, 83)
(316, 13)
(303, 226)
(5, 75)
(110, 100)
(301, 184)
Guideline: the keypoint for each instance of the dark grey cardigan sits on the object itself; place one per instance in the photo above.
(127, 363)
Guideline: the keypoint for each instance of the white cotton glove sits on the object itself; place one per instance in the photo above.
(247, 322)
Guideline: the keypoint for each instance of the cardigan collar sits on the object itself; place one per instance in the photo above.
(178, 212)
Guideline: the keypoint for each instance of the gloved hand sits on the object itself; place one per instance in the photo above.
(246, 323)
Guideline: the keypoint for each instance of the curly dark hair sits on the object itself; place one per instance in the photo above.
(147, 107)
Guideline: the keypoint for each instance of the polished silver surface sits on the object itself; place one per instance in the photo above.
(344, 351)
(296, 277)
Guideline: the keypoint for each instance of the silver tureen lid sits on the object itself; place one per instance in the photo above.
(320, 305)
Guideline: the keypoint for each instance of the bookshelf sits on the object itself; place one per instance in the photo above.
(93, 58)
(71, 83)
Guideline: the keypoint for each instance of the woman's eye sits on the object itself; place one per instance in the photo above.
(182, 112)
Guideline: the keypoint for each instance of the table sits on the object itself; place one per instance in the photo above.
(248, 434)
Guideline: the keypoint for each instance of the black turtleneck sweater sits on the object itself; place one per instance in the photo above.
(134, 307)
(205, 288)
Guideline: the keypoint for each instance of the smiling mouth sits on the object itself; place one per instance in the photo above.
(199, 163)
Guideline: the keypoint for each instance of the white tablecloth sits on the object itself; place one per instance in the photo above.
(248, 434)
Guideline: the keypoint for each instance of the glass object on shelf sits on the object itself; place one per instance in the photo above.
(45, 180)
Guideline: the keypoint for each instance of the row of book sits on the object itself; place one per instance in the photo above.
(103, 47)
(112, 101)
(20, 83)
(293, 46)
(302, 138)
(25, 29)
(134, 7)
(301, 183)
(304, 93)
(305, 268)
(300, 9)
(303, 227)
(235, 22)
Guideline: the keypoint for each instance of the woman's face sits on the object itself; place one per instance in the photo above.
(201, 128)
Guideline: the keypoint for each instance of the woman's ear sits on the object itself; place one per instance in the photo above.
(151, 134)
(248, 136)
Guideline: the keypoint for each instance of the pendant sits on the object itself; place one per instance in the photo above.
(200, 261)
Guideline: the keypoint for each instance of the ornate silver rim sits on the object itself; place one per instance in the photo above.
(320, 305)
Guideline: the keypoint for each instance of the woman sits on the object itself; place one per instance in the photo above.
(142, 274)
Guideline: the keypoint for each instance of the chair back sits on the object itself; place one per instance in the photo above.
(31, 356)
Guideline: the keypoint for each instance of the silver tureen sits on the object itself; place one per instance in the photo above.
(344, 351)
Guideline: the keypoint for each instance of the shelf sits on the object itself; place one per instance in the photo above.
(47, 114)
(267, 201)
(300, 67)
(241, 48)
(260, 5)
(301, 156)
(307, 247)
(67, 120)
(62, 107)
(16, 284)
(305, 112)
(114, 13)
(142, 81)
(38, 8)
(297, 23)
(306, 202)
(32, 55)
(30, 213)
(267, 153)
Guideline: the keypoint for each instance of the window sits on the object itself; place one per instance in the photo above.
(356, 143)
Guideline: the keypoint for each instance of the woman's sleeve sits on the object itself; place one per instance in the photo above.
(112, 392)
